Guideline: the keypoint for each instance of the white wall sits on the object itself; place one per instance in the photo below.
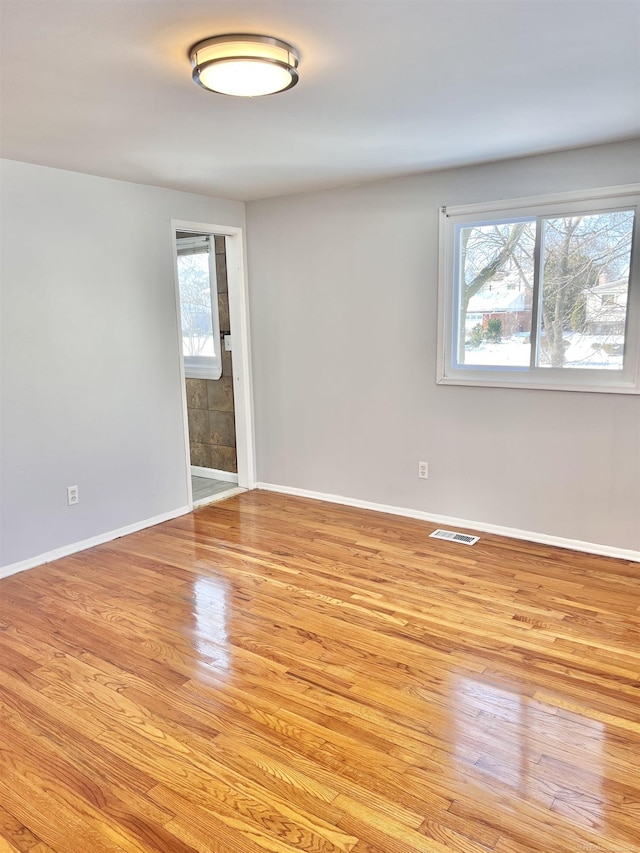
(343, 288)
(91, 389)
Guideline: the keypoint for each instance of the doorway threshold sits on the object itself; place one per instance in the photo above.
(207, 490)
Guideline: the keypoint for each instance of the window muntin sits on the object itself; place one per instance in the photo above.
(197, 287)
(543, 293)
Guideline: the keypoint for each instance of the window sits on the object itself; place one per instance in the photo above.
(199, 306)
(542, 293)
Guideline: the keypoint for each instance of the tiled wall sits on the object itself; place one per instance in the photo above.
(212, 434)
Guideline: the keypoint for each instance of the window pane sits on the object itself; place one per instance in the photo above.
(495, 293)
(195, 305)
(584, 290)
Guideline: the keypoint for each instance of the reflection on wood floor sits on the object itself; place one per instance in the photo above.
(277, 674)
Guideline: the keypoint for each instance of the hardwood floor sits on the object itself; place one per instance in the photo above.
(277, 674)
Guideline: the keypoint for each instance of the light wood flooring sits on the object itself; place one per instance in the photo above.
(277, 674)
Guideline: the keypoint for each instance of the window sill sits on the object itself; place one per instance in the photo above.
(536, 384)
(203, 372)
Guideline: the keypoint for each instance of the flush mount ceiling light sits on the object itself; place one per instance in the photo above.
(244, 65)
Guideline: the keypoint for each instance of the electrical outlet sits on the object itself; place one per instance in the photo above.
(73, 496)
(423, 470)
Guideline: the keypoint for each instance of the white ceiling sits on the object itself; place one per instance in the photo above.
(387, 87)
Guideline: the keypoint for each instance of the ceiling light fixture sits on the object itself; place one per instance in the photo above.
(246, 66)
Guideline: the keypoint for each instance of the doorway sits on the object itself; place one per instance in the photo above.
(211, 300)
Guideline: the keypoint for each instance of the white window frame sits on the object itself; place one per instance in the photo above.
(626, 381)
(204, 366)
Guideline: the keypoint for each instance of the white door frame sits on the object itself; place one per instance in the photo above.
(241, 352)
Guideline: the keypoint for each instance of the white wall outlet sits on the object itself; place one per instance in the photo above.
(423, 470)
(73, 496)
(227, 343)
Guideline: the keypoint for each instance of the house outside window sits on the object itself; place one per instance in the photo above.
(542, 293)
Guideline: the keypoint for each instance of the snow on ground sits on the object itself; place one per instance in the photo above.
(585, 351)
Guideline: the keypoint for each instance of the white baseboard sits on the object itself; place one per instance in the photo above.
(511, 532)
(66, 550)
(214, 474)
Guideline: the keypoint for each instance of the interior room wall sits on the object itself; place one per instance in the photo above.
(91, 391)
(343, 289)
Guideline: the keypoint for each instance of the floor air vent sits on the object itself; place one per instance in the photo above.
(464, 538)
